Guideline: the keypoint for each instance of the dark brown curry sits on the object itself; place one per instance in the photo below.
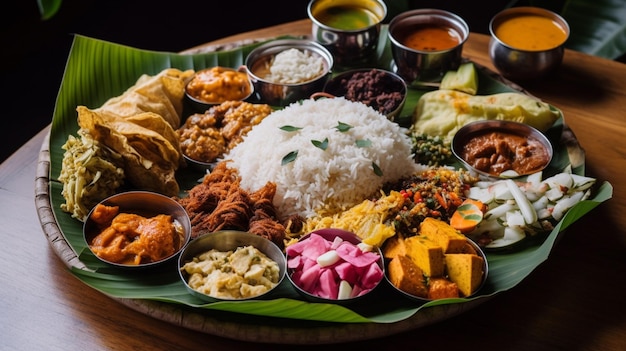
(496, 152)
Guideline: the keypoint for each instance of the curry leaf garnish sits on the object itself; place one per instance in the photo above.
(343, 127)
(377, 170)
(290, 157)
(363, 143)
(320, 144)
(289, 128)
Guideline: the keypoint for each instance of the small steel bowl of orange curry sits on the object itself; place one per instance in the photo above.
(502, 149)
(426, 43)
(137, 229)
(212, 86)
(527, 43)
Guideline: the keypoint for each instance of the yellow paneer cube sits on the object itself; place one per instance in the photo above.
(443, 234)
(426, 254)
(466, 270)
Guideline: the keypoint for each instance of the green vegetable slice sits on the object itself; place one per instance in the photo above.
(464, 79)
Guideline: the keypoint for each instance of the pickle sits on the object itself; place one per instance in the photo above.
(464, 79)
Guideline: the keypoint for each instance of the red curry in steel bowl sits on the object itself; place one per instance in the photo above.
(502, 148)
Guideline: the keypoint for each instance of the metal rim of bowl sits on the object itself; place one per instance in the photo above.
(464, 133)
(430, 16)
(226, 240)
(200, 165)
(514, 11)
(139, 199)
(381, 13)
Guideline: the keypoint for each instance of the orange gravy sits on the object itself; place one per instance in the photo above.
(432, 38)
(531, 32)
(133, 239)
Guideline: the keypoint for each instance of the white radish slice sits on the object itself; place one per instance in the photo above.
(515, 219)
(554, 194)
(484, 184)
(509, 174)
(511, 236)
(502, 191)
(345, 290)
(485, 195)
(328, 258)
(535, 178)
(582, 183)
(336, 242)
(544, 213)
(500, 210)
(560, 180)
(526, 208)
(565, 204)
(541, 203)
(365, 247)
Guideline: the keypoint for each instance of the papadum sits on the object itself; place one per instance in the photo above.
(148, 144)
(161, 94)
(443, 112)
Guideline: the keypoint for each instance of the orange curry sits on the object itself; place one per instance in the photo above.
(132, 239)
(432, 38)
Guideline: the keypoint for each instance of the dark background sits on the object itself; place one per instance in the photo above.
(34, 52)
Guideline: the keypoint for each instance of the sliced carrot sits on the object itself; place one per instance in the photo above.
(441, 200)
(468, 215)
(455, 199)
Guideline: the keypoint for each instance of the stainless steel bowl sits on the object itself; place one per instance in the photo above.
(420, 65)
(200, 105)
(146, 204)
(282, 94)
(389, 83)
(422, 299)
(227, 240)
(200, 166)
(524, 65)
(471, 130)
(329, 234)
(349, 43)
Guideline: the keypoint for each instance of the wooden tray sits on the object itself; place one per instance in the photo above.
(243, 327)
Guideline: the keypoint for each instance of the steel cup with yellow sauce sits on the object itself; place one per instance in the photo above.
(527, 43)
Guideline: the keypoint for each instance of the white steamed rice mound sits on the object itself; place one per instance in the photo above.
(340, 176)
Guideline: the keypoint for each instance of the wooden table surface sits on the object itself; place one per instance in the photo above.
(573, 301)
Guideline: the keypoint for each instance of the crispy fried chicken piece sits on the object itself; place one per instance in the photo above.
(232, 213)
(220, 203)
(268, 228)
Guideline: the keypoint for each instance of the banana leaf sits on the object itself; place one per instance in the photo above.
(97, 70)
(48, 8)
